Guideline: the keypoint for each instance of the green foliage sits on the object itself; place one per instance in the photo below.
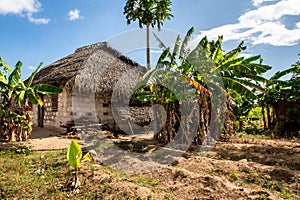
(261, 197)
(74, 157)
(74, 154)
(148, 12)
(139, 180)
(145, 182)
(234, 176)
(207, 69)
(21, 150)
(279, 89)
(255, 112)
(16, 96)
(154, 182)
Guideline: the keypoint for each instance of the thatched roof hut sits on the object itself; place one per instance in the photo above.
(95, 67)
(89, 78)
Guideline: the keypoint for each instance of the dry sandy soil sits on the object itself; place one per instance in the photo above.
(43, 139)
(242, 168)
(238, 169)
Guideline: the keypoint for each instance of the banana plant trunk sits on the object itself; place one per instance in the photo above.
(170, 128)
(241, 125)
(204, 118)
(263, 116)
(269, 117)
(76, 176)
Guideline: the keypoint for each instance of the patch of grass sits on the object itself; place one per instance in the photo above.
(28, 175)
(293, 180)
(154, 182)
(275, 186)
(266, 182)
(285, 194)
(139, 180)
(252, 178)
(261, 197)
(145, 182)
(21, 150)
(254, 135)
(43, 175)
(234, 176)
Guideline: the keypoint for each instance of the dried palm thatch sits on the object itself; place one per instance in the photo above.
(95, 68)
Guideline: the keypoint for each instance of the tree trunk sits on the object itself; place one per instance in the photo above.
(277, 116)
(204, 118)
(273, 118)
(269, 117)
(41, 116)
(41, 113)
(171, 126)
(155, 124)
(263, 116)
(155, 120)
(148, 49)
(241, 125)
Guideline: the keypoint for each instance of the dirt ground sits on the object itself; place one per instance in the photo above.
(242, 168)
(43, 139)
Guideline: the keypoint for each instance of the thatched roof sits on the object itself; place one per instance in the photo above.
(95, 67)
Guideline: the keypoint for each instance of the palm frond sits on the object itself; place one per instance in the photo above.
(184, 45)
(235, 85)
(280, 74)
(6, 67)
(33, 74)
(160, 43)
(176, 46)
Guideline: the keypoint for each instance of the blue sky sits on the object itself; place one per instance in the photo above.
(38, 30)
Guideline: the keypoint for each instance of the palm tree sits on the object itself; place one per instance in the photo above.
(17, 98)
(148, 13)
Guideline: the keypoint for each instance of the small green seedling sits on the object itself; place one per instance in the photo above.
(74, 156)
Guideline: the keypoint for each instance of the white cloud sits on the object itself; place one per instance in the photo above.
(246, 55)
(74, 14)
(263, 25)
(156, 51)
(37, 20)
(19, 6)
(259, 2)
(23, 8)
(31, 68)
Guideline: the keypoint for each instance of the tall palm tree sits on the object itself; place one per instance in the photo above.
(148, 13)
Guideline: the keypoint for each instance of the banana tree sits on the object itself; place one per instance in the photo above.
(17, 98)
(241, 107)
(169, 87)
(279, 91)
(158, 86)
(242, 78)
(203, 67)
(75, 157)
